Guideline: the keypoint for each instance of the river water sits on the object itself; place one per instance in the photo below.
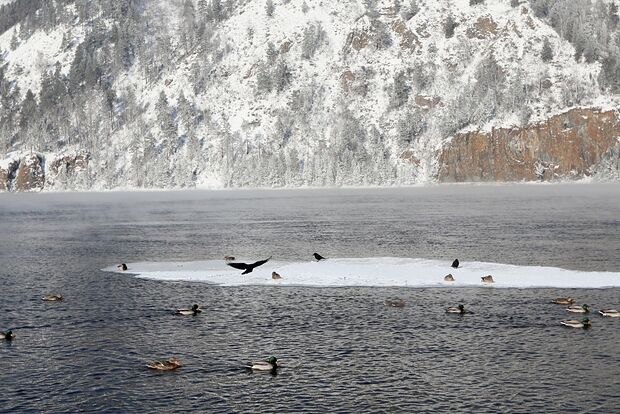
(341, 348)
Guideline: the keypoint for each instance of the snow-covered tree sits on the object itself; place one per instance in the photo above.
(547, 52)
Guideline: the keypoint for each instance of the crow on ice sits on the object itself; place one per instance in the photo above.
(318, 257)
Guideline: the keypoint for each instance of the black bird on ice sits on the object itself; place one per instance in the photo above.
(247, 268)
(318, 257)
(455, 263)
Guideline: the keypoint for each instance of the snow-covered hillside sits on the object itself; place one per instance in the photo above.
(284, 92)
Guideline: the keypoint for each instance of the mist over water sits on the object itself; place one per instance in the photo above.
(342, 348)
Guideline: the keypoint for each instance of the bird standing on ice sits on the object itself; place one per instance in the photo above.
(318, 257)
(487, 279)
(455, 263)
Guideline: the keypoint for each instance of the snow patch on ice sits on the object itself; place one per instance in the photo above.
(379, 271)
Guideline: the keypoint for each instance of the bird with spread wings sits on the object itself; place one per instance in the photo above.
(248, 267)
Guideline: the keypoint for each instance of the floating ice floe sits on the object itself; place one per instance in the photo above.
(377, 271)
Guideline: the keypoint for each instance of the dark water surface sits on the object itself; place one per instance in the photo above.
(343, 350)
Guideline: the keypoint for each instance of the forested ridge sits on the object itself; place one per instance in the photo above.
(286, 92)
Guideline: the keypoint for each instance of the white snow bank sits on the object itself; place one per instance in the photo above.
(379, 271)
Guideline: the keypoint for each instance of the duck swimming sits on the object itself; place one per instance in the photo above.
(195, 310)
(168, 365)
(612, 313)
(579, 309)
(8, 335)
(229, 258)
(563, 301)
(458, 309)
(52, 298)
(573, 323)
(448, 278)
(270, 364)
(395, 303)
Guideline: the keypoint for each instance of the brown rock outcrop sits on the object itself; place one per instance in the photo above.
(70, 164)
(483, 28)
(408, 39)
(408, 156)
(346, 78)
(565, 145)
(285, 46)
(357, 40)
(7, 174)
(30, 174)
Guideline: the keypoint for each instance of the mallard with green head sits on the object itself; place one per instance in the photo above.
(573, 323)
(168, 365)
(195, 310)
(458, 309)
(8, 335)
(52, 298)
(579, 309)
(612, 313)
(563, 301)
(270, 364)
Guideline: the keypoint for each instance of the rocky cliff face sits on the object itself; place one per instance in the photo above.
(7, 174)
(26, 173)
(31, 172)
(30, 175)
(568, 145)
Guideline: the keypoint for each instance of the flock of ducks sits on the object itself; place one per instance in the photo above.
(583, 323)
(269, 364)
(272, 363)
(455, 264)
(572, 323)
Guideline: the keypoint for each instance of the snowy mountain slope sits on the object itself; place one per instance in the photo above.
(178, 94)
